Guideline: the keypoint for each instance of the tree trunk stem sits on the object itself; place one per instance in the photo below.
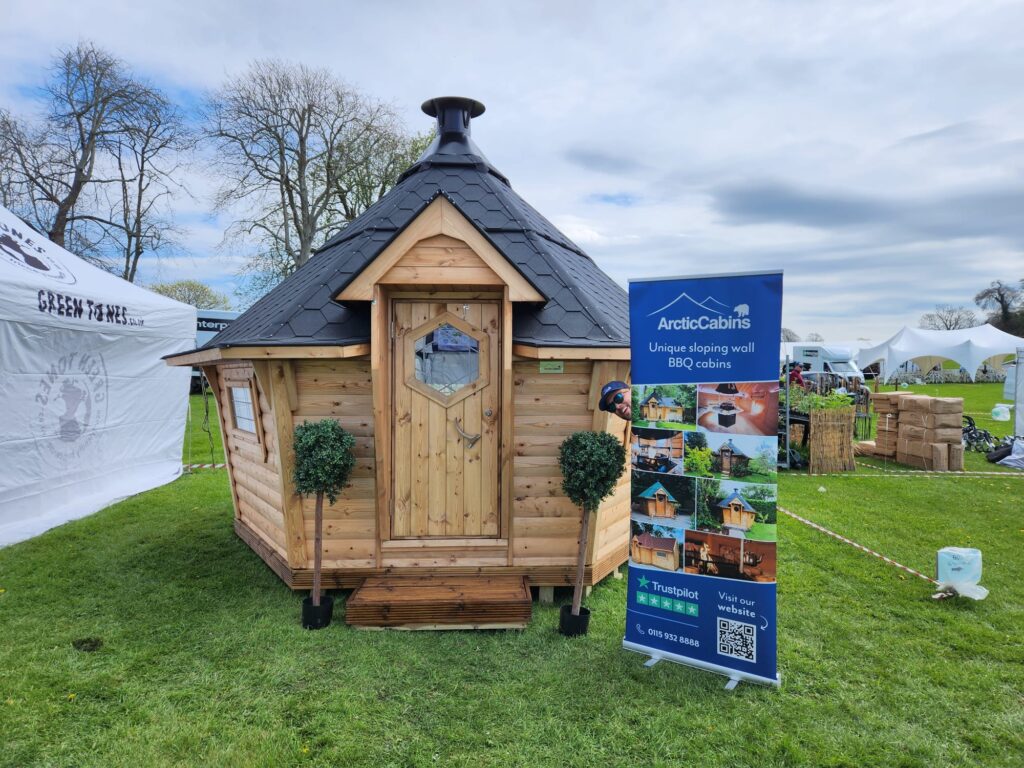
(317, 547)
(581, 563)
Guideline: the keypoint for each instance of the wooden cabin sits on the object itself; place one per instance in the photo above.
(461, 338)
(737, 512)
(658, 502)
(656, 408)
(731, 456)
(659, 551)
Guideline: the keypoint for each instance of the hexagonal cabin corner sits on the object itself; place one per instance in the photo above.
(460, 337)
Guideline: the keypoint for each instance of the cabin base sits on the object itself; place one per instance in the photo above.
(441, 601)
(301, 579)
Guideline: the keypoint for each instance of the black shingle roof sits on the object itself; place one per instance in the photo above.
(584, 307)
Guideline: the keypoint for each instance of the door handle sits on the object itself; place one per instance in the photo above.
(470, 439)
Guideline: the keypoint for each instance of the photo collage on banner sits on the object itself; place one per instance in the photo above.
(703, 460)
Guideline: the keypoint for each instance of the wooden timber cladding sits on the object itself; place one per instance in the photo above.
(252, 461)
(541, 536)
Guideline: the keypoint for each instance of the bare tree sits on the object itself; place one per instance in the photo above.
(790, 335)
(1001, 299)
(814, 337)
(946, 317)
(193, 292)
(145, 157)
(88, 98)
(302, 153)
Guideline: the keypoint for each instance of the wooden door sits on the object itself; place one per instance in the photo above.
(446, 387)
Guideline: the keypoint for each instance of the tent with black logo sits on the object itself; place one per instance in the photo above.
(91, 414)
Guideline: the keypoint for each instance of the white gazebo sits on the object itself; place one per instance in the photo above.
(91, 413)
(969, 347)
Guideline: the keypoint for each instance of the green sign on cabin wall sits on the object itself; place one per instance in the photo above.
(552, 366)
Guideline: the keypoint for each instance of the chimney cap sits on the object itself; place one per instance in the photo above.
(432, 106)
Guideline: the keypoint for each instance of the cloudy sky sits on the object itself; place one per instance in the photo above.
(873, 151)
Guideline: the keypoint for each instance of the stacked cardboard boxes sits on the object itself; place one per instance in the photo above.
(929, 433)
(887, 409)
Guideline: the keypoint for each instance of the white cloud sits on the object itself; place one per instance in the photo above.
(663, 106)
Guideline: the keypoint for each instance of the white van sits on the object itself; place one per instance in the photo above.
(835, 362)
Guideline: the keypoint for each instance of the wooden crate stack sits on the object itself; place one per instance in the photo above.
(930, 432)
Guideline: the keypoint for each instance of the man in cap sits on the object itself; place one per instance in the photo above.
(615, 398)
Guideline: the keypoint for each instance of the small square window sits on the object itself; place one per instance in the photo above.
(242, 408)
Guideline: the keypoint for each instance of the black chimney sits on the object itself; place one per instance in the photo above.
(453, 114)
(453, 145)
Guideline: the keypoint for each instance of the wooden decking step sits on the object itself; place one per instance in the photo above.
(441, 602)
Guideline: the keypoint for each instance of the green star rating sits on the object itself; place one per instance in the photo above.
(644, 581)
(666, 603)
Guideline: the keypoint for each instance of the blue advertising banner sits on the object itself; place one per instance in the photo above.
(703, 455)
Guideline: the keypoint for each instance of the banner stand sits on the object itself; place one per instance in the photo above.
(704, 444)
(735, 678)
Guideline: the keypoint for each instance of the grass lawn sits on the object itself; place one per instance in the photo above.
(203, 661)
(678, 426)
(763, 532)
(197, 449)
(753, 477)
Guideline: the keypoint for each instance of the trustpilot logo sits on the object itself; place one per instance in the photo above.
(714, 319)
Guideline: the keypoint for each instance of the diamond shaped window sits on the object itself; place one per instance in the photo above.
(447, 359)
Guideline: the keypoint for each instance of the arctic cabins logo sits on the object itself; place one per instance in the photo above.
(22, 248)
(717, 316)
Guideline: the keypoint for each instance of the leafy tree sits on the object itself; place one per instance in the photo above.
(199, 295)
(709, 493)
(697, 461)
(696, 439)
(764, 461)
(323, 464)
(591, 464)
(1002, 299)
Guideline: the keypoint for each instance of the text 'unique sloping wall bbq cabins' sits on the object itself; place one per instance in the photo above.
(461, 337)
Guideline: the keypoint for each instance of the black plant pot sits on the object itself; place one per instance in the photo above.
(317, 616)
(573, 626)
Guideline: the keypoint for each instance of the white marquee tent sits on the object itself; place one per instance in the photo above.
(968, 347)
(91, 414)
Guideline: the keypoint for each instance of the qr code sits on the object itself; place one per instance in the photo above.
(737, 639)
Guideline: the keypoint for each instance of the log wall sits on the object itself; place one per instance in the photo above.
(341, 390)
(253, 466)
(544, 526)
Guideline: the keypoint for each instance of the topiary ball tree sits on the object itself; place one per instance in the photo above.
(323, 464)
(591, 463)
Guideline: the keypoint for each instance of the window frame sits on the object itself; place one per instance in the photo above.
(483, 358)
(256, 437)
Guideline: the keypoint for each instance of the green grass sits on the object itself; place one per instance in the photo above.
(196, 449)
(678, 426)
(763, 532)
(753, 477)
(203, 661)
(978, 402)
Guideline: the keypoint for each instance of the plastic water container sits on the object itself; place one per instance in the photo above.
(958, 566)
(1001, 412)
